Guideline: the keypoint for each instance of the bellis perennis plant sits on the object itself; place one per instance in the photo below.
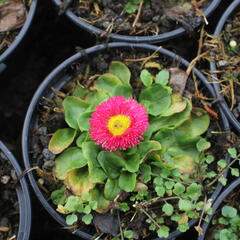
(125, 149)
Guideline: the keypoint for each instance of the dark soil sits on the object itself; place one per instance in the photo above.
(9, 210)
(156, 16)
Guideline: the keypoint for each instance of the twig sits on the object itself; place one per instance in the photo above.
(138, 13)
(119, 221)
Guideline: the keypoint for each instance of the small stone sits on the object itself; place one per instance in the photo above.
(233, 44)
(119, 21)
(5, 179)
(156, 18)
(47, 154)
(222, 63)
(106, 24)
(48, 165)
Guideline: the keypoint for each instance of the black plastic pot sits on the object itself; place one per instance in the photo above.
(217, 204)
(6, 54)
(134, 39)
(25, 211)
(59, 77)
(230, 10)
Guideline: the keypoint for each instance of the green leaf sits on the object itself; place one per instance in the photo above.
(229, 212)
(222, 163)
(209, 159)
(58, 196)
(163, 232)
(223, 181)
(235, 172)
(127, 181)
(124, 207)
(111, 163)
(225, 234)
(194, 191)
(128, 234)
(123, 90)
(203, 145)
(178, 105)
(107, 82)
(147, 147)
(73, 204)
(160, 191)
(90, 152)
(183, 227)
(73, 108)
(156, 99)
(71, 219)
(71, 158)
(111, 189)
(81, 139)
(168, 209)
(179, 189)
(169, 184)
(146, 78)
(102, 203)
(146, 171)
(162, 77)
(87, 219)
(80, 91)
(185, 205)
(79, 182)
(194, 127)
(232, 152)
(132, 163)
(83, 120)
(121, 71)
(61, 139)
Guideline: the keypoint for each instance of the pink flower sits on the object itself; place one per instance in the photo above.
(118, 123)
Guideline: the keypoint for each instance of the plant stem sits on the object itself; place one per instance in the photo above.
(138, 13)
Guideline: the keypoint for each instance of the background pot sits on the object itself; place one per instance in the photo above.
(25, 212)
(213, 66)
(59, 77)
(217, 203)
(19, 37)
(134, 39)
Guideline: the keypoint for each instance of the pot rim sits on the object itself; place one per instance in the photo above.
(20, 35)
(135, 39)
(49, 80)
(223, 104)
(227, 191)
(25, 210)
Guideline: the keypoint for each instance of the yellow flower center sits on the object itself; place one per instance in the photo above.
(118, 124)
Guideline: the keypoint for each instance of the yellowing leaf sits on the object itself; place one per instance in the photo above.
(61, 139)
(184, 163)
(79, 182)
(120, 70)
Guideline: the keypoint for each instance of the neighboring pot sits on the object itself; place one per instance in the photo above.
(134, 39)
(6, 54)
(213, 67)
(59, 77)
(217, 203)
(25, 212)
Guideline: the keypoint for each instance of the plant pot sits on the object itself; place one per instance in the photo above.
(23, 196)
(95, 31)
(227, 191)
(59, 77)
(229, 11)
(8, 52)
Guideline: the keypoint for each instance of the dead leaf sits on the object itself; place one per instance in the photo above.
(107, 223)
(4, 229)
(178, 80)
(199, 230)
(184, 219)
(12, 15)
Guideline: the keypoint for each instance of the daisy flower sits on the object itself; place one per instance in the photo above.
(118, 123)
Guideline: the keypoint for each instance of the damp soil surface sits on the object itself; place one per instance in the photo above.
(9, 208)
(152, 17)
